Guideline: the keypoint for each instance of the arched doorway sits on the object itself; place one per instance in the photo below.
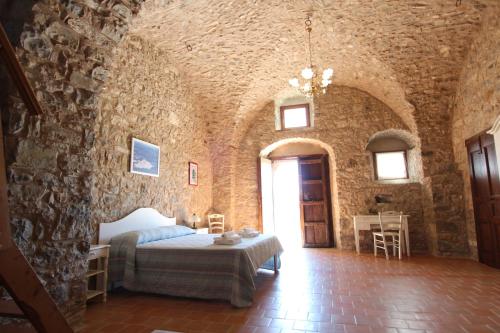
(298, 192)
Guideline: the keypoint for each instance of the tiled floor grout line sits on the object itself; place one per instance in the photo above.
(325, 290)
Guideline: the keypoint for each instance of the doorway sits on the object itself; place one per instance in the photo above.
(485, 183)
(286, 203)
(295, 200)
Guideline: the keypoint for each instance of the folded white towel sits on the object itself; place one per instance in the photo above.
(227, 241)
(229, 234)
(249, 234)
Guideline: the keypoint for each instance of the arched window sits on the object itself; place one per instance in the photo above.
(389, 158)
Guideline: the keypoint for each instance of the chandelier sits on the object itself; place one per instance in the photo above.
(309, 84)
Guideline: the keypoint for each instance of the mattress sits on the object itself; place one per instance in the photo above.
(192, 266)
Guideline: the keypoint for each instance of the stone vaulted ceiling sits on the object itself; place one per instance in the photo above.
(244, 52)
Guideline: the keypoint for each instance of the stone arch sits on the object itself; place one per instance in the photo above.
(264, 152)
(352, 165)
(333, 176)
(66, 48)
(414, 154)
(394, 98)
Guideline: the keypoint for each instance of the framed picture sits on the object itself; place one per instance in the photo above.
(193, 173)
(145, 158)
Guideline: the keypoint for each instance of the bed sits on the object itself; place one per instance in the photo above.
(150, 253)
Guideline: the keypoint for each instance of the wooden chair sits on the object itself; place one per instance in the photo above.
(392, 230)
(215, 223)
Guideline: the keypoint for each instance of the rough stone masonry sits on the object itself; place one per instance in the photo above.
(104, 70)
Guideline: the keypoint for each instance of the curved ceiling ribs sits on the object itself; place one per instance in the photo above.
(244, 52)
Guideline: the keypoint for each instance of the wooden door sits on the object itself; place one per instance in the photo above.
(266, 195)
(315, 207)
(485, 184)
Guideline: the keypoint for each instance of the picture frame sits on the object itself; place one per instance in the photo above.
(144, 158)
(193, 173)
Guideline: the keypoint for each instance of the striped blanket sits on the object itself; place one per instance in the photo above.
(190, 265)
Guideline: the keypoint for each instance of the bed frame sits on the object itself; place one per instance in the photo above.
(140, 219)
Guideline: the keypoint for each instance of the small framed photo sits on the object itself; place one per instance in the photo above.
(145, 158)
(193, 173)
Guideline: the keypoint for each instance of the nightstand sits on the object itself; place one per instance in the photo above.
(97, 271)
(201, 230)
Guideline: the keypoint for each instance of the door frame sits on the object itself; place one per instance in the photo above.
(472, 188)
(477, 137)
(328, 192)
(260, 225)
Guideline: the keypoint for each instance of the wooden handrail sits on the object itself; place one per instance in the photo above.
(16, 273)
(17, 74)
(10, 309)
(5, 235)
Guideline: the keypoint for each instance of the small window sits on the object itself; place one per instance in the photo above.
(295, 116)
(390, 165)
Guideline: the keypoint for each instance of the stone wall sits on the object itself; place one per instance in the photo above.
(48, 157)
(65, 49)
(146, 98)
(442, 181)
(345, 120)
(68, 168)
(476, 104)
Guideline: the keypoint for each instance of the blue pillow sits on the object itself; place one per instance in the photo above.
(151, 235)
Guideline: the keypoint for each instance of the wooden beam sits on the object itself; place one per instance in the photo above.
(10, 309)
(5, 236)
(23, 285)
(16, 328)
(16, 274)
(17, 74)
(260, 225)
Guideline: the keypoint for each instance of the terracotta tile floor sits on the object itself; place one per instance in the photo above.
(326, 290)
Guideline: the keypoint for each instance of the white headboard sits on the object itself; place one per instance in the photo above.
(140, 219)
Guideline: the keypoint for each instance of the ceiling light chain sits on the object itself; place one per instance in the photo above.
(311, 86)
(309, 29)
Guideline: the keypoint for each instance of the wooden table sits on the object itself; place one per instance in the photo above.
(364, 222)
(99, 271)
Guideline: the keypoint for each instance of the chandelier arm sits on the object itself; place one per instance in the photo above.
(309, 29)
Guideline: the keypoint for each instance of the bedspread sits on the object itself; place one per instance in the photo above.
(192, 266)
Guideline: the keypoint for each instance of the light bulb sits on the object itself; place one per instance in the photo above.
(327, 73)
(307, 87)
(307, 73)
(325, 82)
(294, 82)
